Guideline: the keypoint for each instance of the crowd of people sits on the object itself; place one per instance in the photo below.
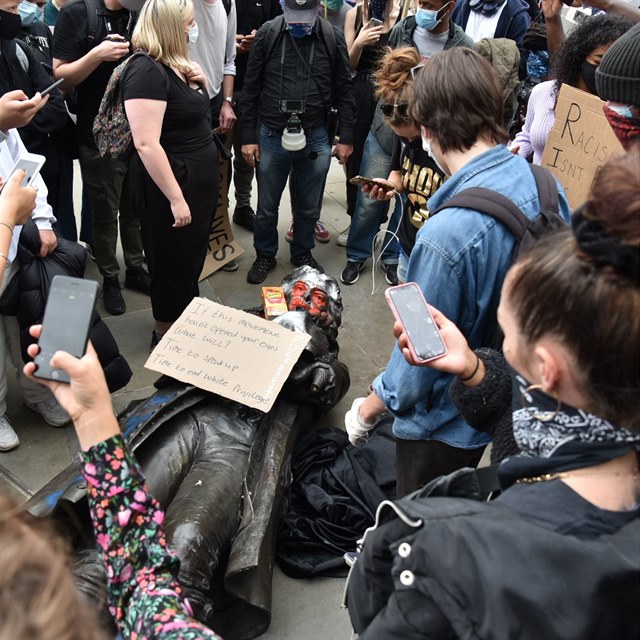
(542, 351)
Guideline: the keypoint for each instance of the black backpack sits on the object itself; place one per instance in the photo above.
(526, 232)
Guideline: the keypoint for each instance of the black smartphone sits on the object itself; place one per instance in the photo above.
(51, 87)
(361, 181)
(410, 308)
(66, 323)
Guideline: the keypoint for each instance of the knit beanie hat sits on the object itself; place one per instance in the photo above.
(618, 76)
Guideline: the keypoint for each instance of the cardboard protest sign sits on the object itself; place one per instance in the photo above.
(579, 142)
(222, 247)
(229, 352)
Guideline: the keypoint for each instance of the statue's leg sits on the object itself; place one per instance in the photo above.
(203, 516)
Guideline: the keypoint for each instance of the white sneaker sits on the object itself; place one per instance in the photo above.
(51, 411)
(8, 437)
(341, 240)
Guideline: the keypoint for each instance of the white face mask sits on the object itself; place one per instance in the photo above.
(426, 146)
(193, 34)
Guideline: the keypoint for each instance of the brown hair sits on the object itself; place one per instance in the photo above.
(394, 82)
(38, 597)
(457, 97)
(557, 289)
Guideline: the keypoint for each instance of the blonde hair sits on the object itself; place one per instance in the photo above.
(160, 32)
(38, 597)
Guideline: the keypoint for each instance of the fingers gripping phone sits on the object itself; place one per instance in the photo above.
(66, 323)
(361, 181)
(411, 310)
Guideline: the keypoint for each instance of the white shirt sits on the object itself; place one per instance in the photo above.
(480, 26)
(11, 148)
(215, 48)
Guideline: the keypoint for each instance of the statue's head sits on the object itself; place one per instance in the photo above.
(306, 289)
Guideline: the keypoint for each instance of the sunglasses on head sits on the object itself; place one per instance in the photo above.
(387, 109)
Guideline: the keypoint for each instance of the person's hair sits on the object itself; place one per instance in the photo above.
(590, 34)
(38, 597)
(160, 32)
(558, 289)
(394, 82)
(458, 98)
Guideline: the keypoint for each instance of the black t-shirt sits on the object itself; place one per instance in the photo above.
(556, 506)
(71, 42)
(186, 125)
(421, 178)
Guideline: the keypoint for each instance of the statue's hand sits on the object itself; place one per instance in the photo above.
(314, 382)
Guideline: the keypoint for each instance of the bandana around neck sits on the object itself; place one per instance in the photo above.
(559, 441)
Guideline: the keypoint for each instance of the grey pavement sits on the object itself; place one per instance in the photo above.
(302, 609)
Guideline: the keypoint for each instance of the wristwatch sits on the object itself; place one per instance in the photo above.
(230, 100)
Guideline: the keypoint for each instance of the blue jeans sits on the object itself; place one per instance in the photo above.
(370, 214)
(308, 169)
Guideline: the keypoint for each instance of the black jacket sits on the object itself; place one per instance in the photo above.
(26, 297)
(329, 85)
(454, 568)
(53, 116)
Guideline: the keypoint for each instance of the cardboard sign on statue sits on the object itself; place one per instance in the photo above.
(229, 352)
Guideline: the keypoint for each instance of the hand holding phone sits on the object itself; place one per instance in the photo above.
(361, 181)
(410, 309)
(66, 323)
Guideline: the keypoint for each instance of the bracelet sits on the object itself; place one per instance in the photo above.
(2, 255)
(474, 371)
(6, 224)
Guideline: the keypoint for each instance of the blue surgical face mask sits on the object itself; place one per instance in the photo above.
(428, 19)
(300, 30)
(28, 13)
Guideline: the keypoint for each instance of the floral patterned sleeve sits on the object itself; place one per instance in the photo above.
(144, 595)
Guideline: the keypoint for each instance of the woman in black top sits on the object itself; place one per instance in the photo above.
(174, 172)
(414, 174)
(366, 41)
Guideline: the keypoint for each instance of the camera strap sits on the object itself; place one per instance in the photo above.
(307, 65)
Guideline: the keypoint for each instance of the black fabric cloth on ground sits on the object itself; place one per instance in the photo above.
(333, 498)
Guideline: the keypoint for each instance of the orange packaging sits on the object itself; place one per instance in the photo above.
(273, 302)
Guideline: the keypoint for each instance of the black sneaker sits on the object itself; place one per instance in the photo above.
(112, 296)
(260, 268)
(138, 280)
(390, 273)
(244, 217)
(308, 260)
(351, 273)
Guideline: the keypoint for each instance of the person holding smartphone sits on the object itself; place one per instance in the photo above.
(563, 534)
(12, 149)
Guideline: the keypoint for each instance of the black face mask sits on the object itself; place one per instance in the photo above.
(10, 24)
(589, 76)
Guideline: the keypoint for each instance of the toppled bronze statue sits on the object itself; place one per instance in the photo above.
(220, 469)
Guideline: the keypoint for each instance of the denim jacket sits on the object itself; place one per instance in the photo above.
(459, 261)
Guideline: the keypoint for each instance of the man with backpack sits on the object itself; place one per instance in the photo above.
(91, 38)
(297, 70)
(459, 260)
